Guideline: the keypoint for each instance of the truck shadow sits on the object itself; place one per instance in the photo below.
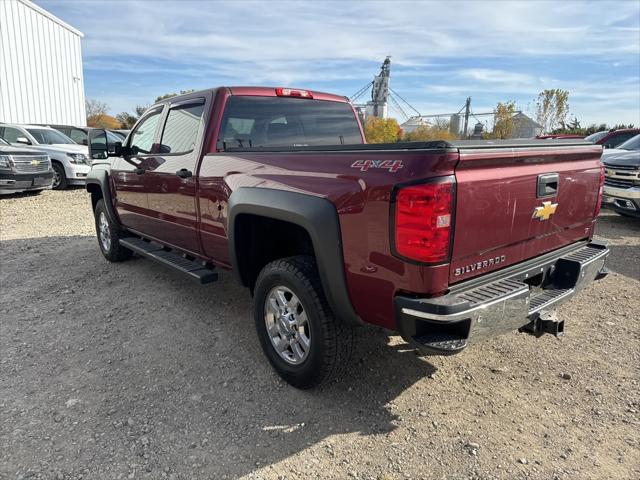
(170, 377)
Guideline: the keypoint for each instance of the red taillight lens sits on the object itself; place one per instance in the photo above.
(423, 221)
(292, 92)
(600, 191)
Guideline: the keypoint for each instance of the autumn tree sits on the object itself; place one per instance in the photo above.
(503, 124)
(126, 120)
(95, 110)
(382, 130)
(552, 108)
(425, 133)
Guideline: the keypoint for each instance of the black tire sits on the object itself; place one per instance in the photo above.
(330, 341)
(59, 177)
(112, 250)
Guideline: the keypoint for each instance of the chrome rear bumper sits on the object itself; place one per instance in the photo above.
(500, 302)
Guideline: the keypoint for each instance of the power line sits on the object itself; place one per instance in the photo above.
(360, 92)
(398, 107)
(400, 97)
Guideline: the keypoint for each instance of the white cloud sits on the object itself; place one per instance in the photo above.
(315, 43)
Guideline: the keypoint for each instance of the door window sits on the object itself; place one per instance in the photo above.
(144, 134)
(78, 136)
(181, 129)
(11, 134)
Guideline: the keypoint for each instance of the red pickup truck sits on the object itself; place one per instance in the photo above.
(445, 242)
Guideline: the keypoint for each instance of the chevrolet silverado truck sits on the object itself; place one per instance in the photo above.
(23, 170)
(445, 242)
(622, 179)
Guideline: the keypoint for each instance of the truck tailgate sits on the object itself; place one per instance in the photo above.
(516, 203)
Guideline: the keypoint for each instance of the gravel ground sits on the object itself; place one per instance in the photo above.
(130, 371)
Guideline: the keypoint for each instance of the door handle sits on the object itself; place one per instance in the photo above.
(138, 171)
(548, 184)
(184, 173)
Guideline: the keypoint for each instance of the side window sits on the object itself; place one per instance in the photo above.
(616, 140)
(78, 136)
(143, 136)
(181, 129)
(11, 134)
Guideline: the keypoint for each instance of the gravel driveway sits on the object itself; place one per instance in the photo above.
(131, 371)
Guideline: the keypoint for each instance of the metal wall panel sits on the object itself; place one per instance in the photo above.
(41, 79)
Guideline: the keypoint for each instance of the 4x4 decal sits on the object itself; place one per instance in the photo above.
(391, 165)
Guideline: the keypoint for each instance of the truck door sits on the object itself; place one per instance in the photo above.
(128, 173)
(170, 180)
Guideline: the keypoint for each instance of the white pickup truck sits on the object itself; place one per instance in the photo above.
(70, 161)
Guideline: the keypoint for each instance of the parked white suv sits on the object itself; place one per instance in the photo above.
(70, 161)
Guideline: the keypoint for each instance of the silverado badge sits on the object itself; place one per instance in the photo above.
(545, 211)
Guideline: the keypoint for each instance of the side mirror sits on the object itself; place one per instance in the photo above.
(97, 140)
(23, 140)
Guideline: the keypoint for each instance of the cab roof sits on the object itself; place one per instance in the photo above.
(256, 92)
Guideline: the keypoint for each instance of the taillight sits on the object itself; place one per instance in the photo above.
(600, 192)
(292, 92)
(423, 221)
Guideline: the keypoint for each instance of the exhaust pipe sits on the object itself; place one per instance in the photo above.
(546, 322)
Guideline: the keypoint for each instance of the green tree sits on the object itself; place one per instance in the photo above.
(126, 120)
(552, 108)
(170, 95)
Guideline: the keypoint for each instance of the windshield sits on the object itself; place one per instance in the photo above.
(287, 122)
(48, 136)
(594, 137)
(632, 144)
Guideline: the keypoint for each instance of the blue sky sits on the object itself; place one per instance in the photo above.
(441, 52)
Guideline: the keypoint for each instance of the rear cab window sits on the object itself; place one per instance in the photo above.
(253, 121)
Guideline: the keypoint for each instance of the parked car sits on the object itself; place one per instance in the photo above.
(70, 161)
(23, 169)
(612, 138)
(80, 134)
(630, 145)
(328, 233)
(622, 180)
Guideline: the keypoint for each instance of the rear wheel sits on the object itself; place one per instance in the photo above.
(59, 177)
(299, 334)
(109, 236)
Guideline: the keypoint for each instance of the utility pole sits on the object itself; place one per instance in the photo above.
(467, 111)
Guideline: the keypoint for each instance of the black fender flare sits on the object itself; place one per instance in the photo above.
(318, 216)
(100, 177)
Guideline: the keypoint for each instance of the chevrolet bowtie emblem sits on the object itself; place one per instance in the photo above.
(545, 211)
(35, 162)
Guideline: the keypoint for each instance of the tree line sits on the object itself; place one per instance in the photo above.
(551, 113)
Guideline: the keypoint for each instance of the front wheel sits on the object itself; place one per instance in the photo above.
(298, 332)
(59, 177)
(109, 235)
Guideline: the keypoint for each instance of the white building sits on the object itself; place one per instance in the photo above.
(40, 67)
